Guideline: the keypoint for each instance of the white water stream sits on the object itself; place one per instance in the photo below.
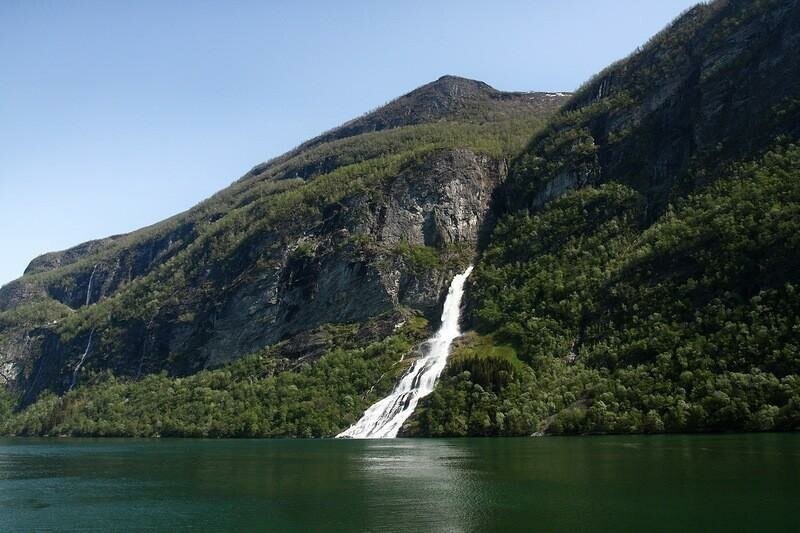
(384, 418)
(89, 288)
(80, 362)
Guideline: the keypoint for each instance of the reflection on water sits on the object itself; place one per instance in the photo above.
(687, 483)
(428, 479)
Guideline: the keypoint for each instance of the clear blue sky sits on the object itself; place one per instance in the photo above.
(114, 115)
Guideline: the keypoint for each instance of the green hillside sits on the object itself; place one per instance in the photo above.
(348, 229)
(636, 257)
(646, 270)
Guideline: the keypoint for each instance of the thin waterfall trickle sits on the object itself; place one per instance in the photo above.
(89, 288)
(82, 359)
(384, 418)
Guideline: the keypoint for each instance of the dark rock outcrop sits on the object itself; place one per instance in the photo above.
(351, 271)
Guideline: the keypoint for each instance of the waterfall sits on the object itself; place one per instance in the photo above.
(384, 418)
(83, 358)
(89, 288)
(91, 333)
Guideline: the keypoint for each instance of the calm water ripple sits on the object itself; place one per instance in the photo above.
(663, 483)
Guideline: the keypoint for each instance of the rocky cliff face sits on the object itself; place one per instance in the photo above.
(716, 85)
(349, 268)
(93, 270)
(352, 266)
(372, 217)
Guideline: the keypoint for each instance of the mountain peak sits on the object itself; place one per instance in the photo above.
(447, 98)
(456, 84)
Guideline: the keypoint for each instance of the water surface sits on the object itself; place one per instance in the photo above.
(661, 483)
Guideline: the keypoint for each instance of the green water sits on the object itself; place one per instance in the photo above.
(664, 483)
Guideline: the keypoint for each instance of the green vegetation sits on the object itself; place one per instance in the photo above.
(33, 313)
(6, 407)
(659, 295)
(490, 365)
(277, 199)
(642, 274)
(688, 325)
(630, 123)
(420, 258)
(263, 395)
(180, 271)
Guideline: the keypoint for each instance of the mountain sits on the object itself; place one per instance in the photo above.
(643, 273)
(635, 249)
(369, 219)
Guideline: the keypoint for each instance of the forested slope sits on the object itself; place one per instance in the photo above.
(363, 225)
(644, 276)
(637, 264)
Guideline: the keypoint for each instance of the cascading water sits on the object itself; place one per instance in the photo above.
(384, 418)
(83, 358)
(91, 334)
(89, 288)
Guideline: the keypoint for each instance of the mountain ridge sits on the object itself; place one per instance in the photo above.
(430, 102)
(635, 253)
(641, 275)
(255, 259)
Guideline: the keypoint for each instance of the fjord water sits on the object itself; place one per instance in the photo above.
(637, 483)
(383, 419)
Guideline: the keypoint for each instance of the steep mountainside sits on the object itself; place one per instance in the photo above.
(645, 275)
(637, 271)
(718, 85)
(372, 216)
